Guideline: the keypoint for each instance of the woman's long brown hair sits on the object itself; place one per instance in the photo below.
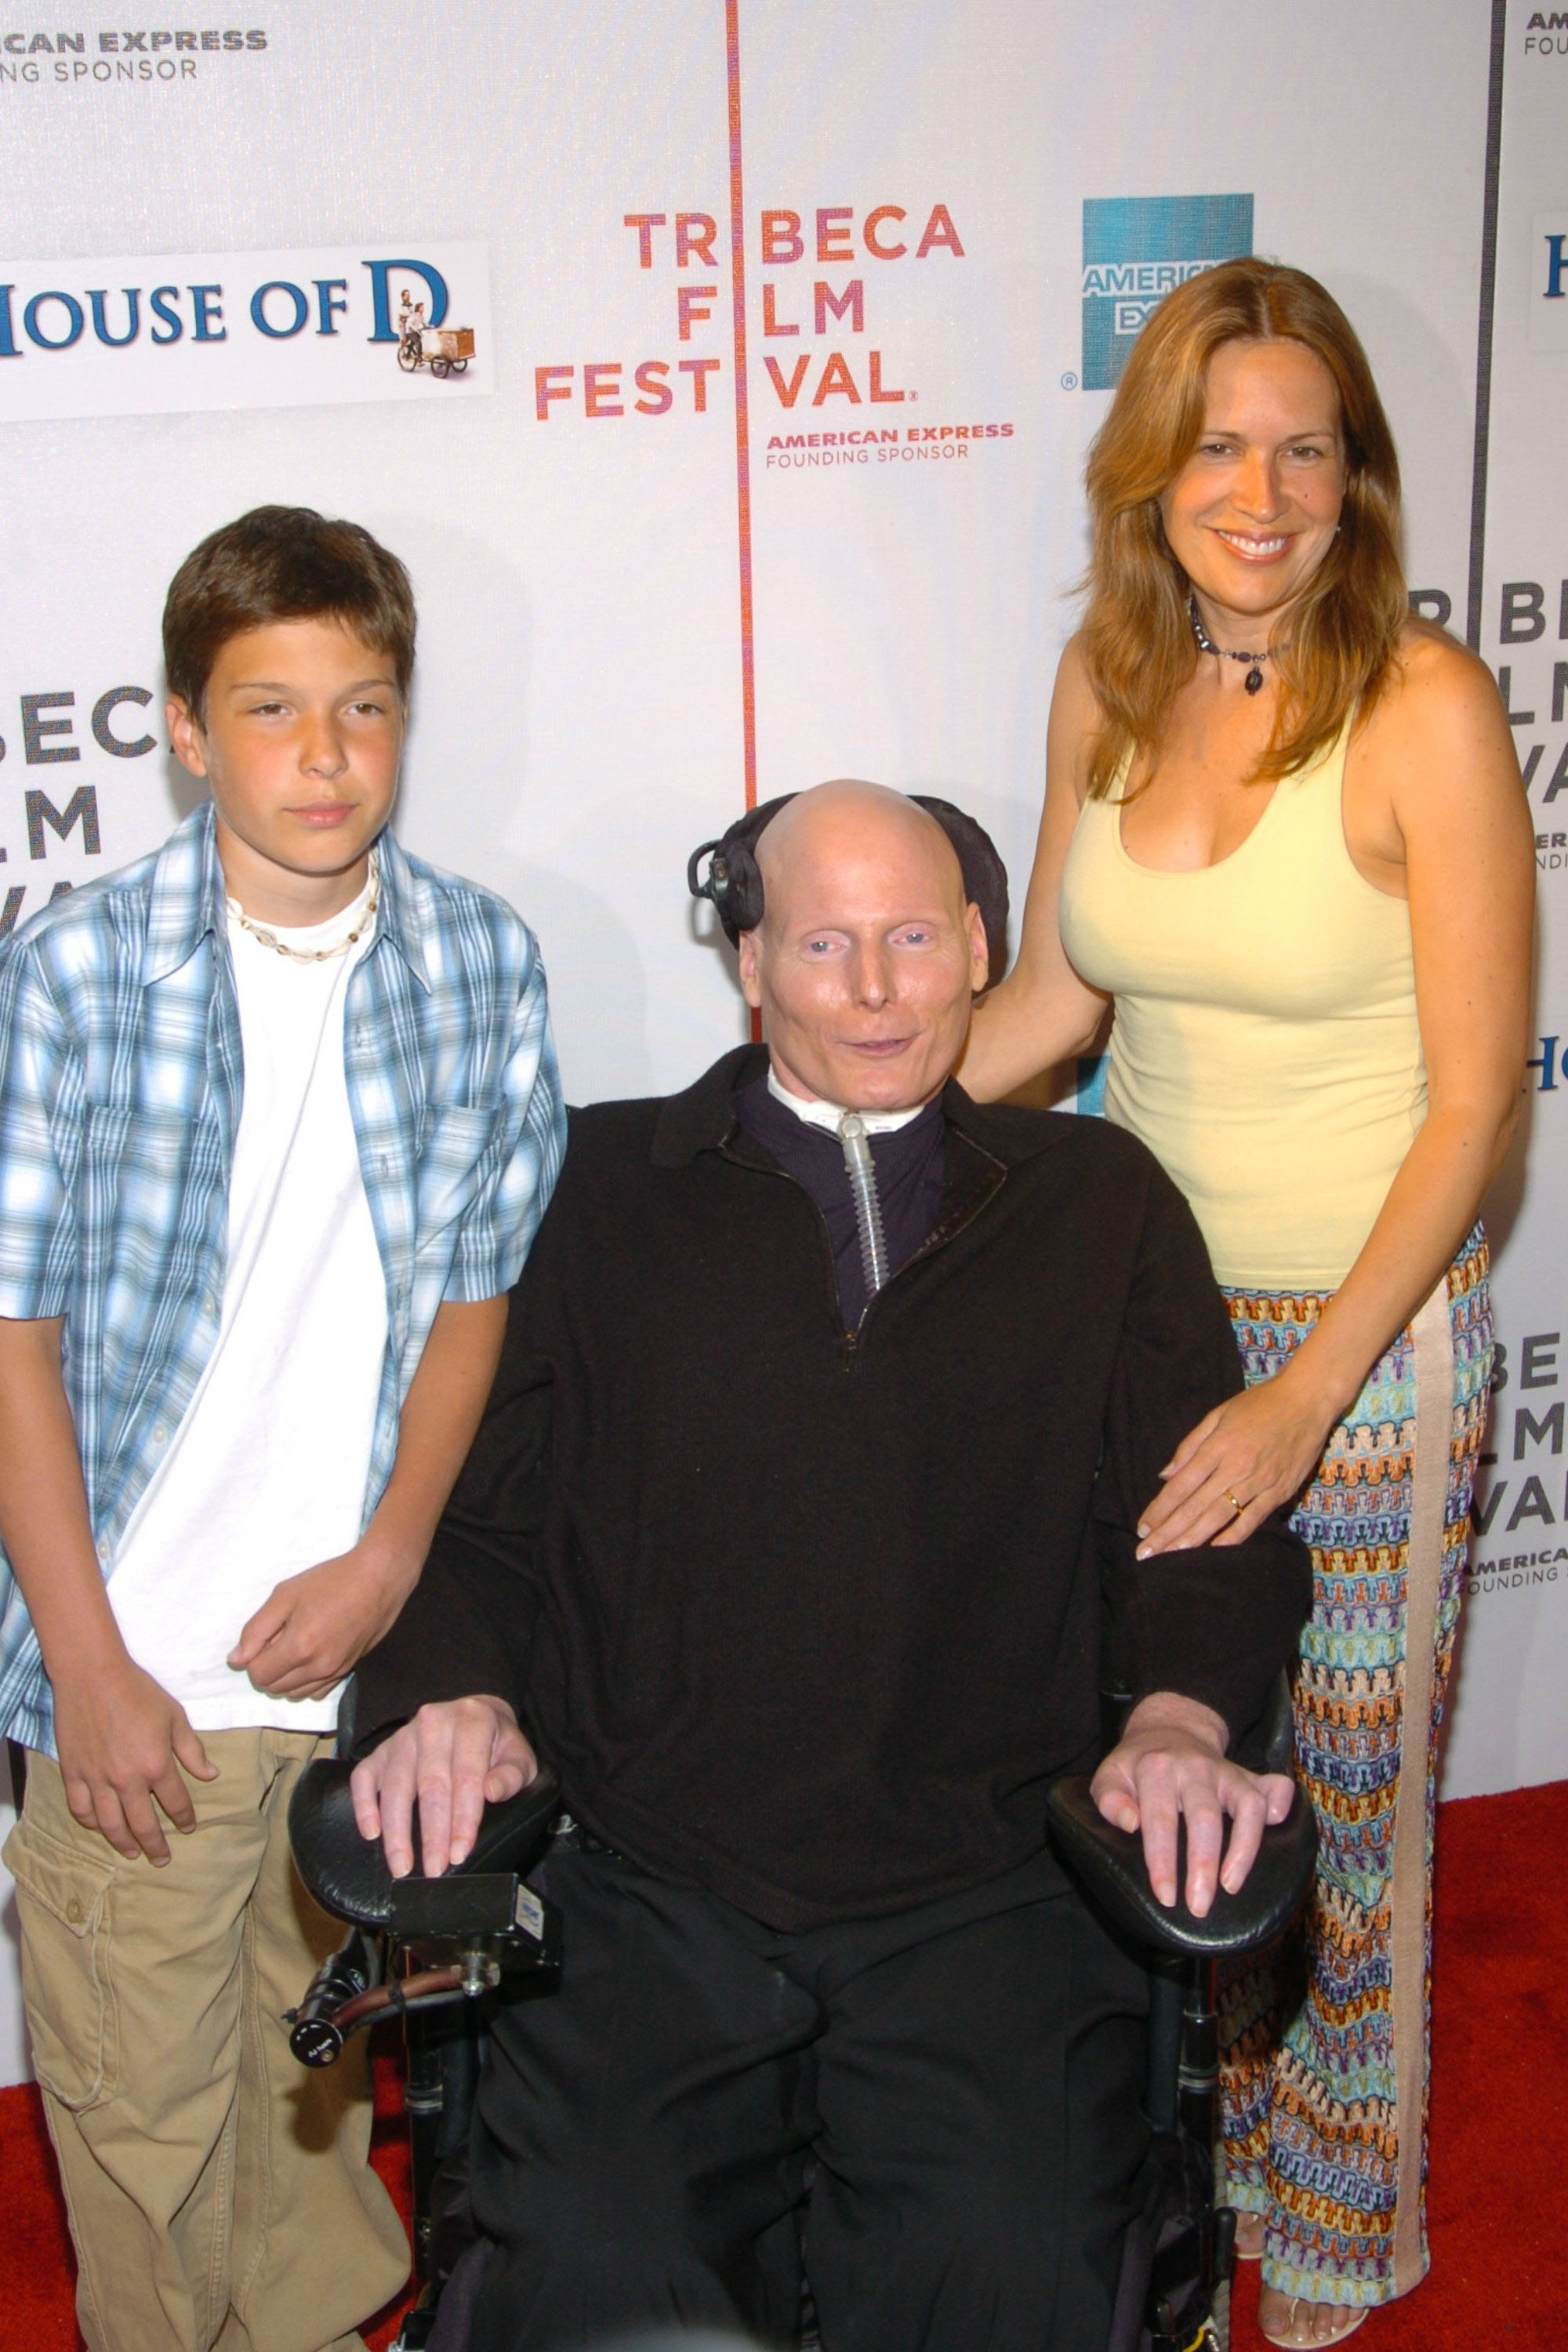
(1137, 638)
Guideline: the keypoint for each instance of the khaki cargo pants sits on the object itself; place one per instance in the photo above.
(219, 2192)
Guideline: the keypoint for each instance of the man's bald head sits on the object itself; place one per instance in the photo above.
(835, 826)
(867, 957)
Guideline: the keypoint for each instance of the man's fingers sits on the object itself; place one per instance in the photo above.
(453, 1758)
(506, 1781)
(1278, 1796)
(434, 1786)
(1167, 1776)
(396, 1782)
(1158, 1806)
(513, 1765)
(473, 1752)
(1112, 1794)
(366, 1801)
(434, 1823)
(1205, 1837)
(1247, 1816)
(1253, 1801)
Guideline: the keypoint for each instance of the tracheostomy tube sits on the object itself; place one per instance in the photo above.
(861, 1171)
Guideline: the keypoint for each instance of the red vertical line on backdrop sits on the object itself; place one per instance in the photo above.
(742, 420)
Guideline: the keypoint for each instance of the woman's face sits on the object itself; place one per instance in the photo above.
(1253, 513)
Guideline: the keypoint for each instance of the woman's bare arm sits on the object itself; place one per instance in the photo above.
(1440, 751)
(1043, 1011)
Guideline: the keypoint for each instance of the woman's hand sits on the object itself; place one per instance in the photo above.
(1248, 1456)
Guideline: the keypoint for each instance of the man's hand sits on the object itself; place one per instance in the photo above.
(122, 1742)
(1170, 1765)
(313, 1628)
(455, 1758)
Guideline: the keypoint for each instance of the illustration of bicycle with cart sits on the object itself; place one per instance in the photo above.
(444, 350)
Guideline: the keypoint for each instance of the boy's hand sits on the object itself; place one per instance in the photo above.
(313, 1628)
(122, 1742)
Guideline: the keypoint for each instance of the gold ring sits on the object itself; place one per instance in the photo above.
(1235, 1507)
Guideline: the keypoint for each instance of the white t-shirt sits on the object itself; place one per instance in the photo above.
(266, 1474)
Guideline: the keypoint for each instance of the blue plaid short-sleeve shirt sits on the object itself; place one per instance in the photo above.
(120, 1082)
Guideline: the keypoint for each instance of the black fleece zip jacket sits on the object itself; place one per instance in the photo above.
(811, 1619)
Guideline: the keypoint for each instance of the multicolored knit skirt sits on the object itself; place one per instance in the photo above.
(1324, 2037)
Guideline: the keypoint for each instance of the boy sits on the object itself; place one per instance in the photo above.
(279, 1116)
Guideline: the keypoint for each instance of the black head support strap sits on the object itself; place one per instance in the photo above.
(734, 882)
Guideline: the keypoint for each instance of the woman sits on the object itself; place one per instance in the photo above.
(1284, 833)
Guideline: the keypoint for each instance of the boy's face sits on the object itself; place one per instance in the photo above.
(299, 746)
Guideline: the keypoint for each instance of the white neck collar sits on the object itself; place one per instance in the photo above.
(827, 1115)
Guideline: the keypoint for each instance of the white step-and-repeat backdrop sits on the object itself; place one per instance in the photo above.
(789, 328)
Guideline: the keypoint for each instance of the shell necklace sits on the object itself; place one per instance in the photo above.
(266, 939)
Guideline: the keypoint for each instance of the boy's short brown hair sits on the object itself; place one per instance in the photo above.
(283, 563)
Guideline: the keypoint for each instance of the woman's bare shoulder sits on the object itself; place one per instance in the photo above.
(1437, 737)
(1076, 718)
(1073, 681)
(1436, 678)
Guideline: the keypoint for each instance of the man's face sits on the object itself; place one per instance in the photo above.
(299, 743)
(866, 957)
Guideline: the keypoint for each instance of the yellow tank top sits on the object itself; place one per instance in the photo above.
(1266, 1046)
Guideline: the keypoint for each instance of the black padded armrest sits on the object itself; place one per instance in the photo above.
(1270, 1744)
(348, 1874)
(1108, 1864)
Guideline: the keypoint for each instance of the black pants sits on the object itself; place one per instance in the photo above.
(936, 2114)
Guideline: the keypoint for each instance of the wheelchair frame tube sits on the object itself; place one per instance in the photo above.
(1162, 2065)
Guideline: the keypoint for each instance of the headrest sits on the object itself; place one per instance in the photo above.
(734, 883)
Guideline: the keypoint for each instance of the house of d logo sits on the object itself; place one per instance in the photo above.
(1135, 249)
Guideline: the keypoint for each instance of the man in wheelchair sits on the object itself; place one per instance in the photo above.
(829, 1405)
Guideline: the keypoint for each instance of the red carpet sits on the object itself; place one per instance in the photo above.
(1498, 2200)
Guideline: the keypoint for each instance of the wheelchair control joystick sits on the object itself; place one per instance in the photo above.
(318, 2037)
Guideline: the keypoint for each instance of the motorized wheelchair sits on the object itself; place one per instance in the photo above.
(433, 1951)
